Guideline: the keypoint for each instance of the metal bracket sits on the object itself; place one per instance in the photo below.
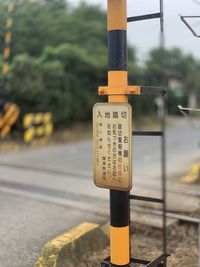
(144, 17)
(147, 133)
(147, 199)
(131, 90)
(160, 261)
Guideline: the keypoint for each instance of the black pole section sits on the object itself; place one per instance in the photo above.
(119, 208)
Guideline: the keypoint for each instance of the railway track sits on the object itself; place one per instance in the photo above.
(96, 204)
(145, 186)
(172, 187)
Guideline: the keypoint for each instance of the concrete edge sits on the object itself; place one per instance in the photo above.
(69, 248)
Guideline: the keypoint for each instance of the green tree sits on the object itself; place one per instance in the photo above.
(177, 64)
(54, 22)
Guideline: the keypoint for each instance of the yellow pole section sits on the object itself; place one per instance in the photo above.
(117, 26)
(117, 20)
(117, 15)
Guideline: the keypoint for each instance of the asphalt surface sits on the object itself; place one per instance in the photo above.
(46, 191)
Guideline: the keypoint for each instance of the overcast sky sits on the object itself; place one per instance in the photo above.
(145, 35)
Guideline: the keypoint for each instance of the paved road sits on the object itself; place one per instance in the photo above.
(49, 190)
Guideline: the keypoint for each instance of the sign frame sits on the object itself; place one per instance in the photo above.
(123, 183)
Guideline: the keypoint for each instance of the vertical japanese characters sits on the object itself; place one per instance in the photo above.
(112, 131)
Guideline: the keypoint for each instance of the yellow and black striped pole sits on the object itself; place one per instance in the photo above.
(8, 38)
(118, 76)
(118, 91)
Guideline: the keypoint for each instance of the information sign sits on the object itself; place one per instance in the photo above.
(112, 132)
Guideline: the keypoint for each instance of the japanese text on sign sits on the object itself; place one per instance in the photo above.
(112, 145)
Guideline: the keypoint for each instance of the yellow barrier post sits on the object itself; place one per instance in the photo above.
(8, 118)
(37, 125)
(8, 38)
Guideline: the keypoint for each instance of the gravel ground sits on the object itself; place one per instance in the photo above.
(147, 243)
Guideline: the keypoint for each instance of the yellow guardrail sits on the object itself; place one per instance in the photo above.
(37, 126)
(8, 118)
(193, 174)
(8, 37)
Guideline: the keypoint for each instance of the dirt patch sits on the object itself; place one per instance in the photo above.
(182, 244)
(146, 243)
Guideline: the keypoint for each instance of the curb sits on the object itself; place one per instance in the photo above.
(69, 248)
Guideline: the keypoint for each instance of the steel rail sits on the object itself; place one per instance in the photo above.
(74, 173)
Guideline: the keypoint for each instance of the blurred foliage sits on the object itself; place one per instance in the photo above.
(59, 58)
(62, 80)
(177, 66)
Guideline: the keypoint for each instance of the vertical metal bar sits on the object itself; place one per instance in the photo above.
(118, 74)
(161, 16)
(199, 247)
(163, 123)
(163, 152)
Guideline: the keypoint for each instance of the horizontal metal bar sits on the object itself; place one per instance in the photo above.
(177, 216)
(147, 133)
(105, 264)
(148, 199)
(183, 217)
(189, 17)
(139, 261)
(144, 17)
(154, 263)
(158, 260)
(152, 90)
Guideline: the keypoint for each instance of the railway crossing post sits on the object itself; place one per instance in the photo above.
(117, 97)
(118, 74)
(112, 138)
